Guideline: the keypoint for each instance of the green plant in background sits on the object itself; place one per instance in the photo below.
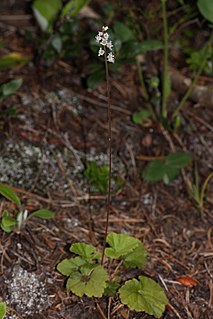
(7, 222)
(60, 27)
(9, 88)
(197, 192)
(99, 177)
(166, 169)
(86, 276)
(3, 309)
(206, 9)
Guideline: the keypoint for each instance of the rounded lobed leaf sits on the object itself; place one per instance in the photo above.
(85, 251)
(137, 258)
(144, 295)
(92, 285)
(68, 266)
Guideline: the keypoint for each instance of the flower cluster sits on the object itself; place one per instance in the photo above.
(103, 39)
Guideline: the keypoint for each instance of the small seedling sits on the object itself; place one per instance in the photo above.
(166, 170)
(86, 276)
(7, 222)
(99, 177)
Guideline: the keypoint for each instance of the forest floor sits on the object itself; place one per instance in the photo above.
(58, 125)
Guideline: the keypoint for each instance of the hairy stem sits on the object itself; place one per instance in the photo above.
(165, 64)
(110, 156)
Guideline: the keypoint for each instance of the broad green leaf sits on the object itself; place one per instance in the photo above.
(86, 251)
(10, 194)
(111, 288)
(144, 295)
(3, 309)
(123, 32)
(12, 59)
(206, 9)
(72, 7)
(10, 87)
(8, 223)
(45, 12)
(154, 171)
(92, 284)
(178, 159)
(151, 45)
(137, 258)
(42, 213)
(95, 79)
(120, 245)
(57, 43)
(67, 266)
(139, 117)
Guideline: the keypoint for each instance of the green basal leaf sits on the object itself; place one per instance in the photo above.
(166, 170)
(206, 9)
(91, 284)
(137, 258)
(120, 245)
(73, 7)
(86, 251)
(111, 288)
(123, 32)
(178, 159)
(45, 12)
(144, 295)
(68, 266)
(10, 194)
(3, 309)
(42, 213)
(154, 171)
(139, 117)
(10, 88)
(8, 223)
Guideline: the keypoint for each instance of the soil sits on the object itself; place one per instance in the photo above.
(57, 127)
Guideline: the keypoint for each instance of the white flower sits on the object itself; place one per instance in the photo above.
(103, 39)
(110, 57)
(106, 36)
(104, 42)
(109, 45)
(98, 38)
(101, 52)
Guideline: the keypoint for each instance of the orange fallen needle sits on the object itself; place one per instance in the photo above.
(187, 281)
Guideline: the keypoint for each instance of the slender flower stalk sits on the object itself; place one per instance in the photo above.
(106, 46)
